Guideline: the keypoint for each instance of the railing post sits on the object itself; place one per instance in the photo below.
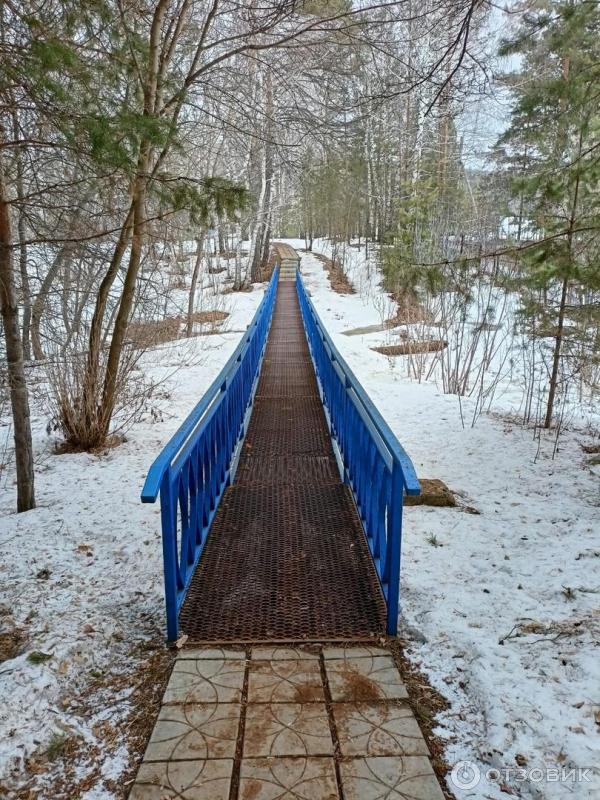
(346, 434)
(169, 542)
(394, 545)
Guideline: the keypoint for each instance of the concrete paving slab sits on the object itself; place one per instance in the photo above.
(206, 681)
(398, 778)
(207, 730)
(185, 780)
(282, 654)
(353, 652)
(287, 729)
(288, 778)
(378, 729)
(294, 681)
(196, 653)
(286, 750)
(364, 679)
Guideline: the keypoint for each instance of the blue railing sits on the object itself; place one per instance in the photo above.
(372, 461)
(196, 466)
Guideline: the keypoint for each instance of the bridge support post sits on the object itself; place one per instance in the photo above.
(169, 543)
(394, 547)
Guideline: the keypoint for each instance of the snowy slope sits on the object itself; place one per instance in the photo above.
(469, 580)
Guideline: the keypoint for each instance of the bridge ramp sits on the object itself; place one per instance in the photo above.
(286, 558)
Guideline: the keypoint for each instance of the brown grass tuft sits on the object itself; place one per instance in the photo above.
(411, 347)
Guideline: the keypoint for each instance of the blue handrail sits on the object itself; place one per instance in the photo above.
(197, 464)
(373, 463)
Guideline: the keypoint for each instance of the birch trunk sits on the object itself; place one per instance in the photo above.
(261, 229)
(237, 281)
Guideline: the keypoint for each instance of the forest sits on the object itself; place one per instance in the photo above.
(123, 134)
(439, 159)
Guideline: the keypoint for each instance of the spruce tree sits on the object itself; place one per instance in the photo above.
(555, 129)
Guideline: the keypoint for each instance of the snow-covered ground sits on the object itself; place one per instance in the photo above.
(81, 579)
(501, 609)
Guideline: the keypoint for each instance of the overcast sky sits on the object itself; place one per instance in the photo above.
(484, 121)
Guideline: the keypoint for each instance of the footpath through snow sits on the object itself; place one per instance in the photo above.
(500, 609)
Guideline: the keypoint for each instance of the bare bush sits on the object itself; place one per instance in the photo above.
(84, 426)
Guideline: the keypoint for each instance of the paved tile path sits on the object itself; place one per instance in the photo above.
(283, 723)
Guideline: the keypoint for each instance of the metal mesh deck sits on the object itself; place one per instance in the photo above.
(286, 557)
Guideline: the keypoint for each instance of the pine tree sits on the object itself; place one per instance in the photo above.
(555, 127)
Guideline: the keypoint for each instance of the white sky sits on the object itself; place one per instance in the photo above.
(488, 117)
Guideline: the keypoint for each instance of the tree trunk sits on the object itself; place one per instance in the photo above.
(109, 394)
(221, 235)
(260, 237)
(565, 286)
(237, 280)
(259, 229)
(195, 274)
(25, 289)
(22, 233)
(152, 97)
(96, 339)
(19, 396)
(264, 259)
(556, 356)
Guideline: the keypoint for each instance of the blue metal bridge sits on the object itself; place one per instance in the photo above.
(282, 493)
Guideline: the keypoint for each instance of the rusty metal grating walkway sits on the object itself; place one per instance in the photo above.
(286, 558)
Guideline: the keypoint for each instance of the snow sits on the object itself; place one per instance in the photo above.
(81, 574)
(469, 579)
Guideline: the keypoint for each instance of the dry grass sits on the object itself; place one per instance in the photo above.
(411, 347)
(149, 334)
(12, 642)
(210, 317)
(227, 255)
(112, 441)
(433, 493)
(591, 449)
(144, 335)
(247, 287)
(151, 683)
